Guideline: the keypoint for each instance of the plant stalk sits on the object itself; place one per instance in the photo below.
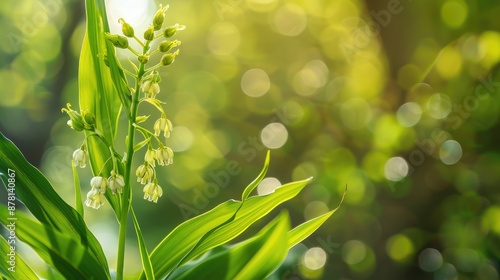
(126, 199)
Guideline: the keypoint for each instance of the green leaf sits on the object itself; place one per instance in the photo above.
(141, 119)
(146, 262)
(36, 193)
(141, 144)
(98, 91)
(21, 269)
(251, 211)
(78, 191)
(180, 241)
(255, 258)
(302, 231)
(257, 180)
(248, 190)
(155, 102)
(71, 258)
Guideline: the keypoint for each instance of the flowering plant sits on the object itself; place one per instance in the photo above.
(194, 249)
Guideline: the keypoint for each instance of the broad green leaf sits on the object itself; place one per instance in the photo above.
(246, 192)
(257, 180)
(98, 91)
(146, 262)
(71, 258)
(21, 269)
(251, 211)
(180, 241)
(255, 258)
(302, 231)
(36, 193)
(78, 190)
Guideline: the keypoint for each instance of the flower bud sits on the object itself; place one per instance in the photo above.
(76, 121)
(89, 118)
(149, 34)
(154, 77)
(169, 58)
(166, 46)
(127, 30)
(143, 59)
(141, 119)
(159, 18)
(117, 40)
(171, 30)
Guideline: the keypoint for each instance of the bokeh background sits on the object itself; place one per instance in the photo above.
(397, 99)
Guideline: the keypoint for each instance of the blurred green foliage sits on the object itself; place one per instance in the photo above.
(397, 99)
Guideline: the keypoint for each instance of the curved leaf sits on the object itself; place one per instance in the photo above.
(257, 180)
(35, 191)
(78, 190)
(179, 242)
(102, 90)
(146, 262)
(21, 269)
(255, 258)
(72, 259)
(302, 231)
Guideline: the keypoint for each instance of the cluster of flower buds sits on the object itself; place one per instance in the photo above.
(150, 81)
(79, 121)
(153, 32)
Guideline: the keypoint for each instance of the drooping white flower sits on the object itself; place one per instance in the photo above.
(99, 183)
(116, 182)
(95, 198)
(150, 88)
(152, 191)
(144, 173)
(165, 156)
(165, 125)
(80, 158)
(150, 157)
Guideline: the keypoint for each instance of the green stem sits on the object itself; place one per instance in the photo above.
(126, 199)
(133, 51)
(139, 41)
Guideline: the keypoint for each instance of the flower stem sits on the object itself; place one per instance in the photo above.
(127, 199)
